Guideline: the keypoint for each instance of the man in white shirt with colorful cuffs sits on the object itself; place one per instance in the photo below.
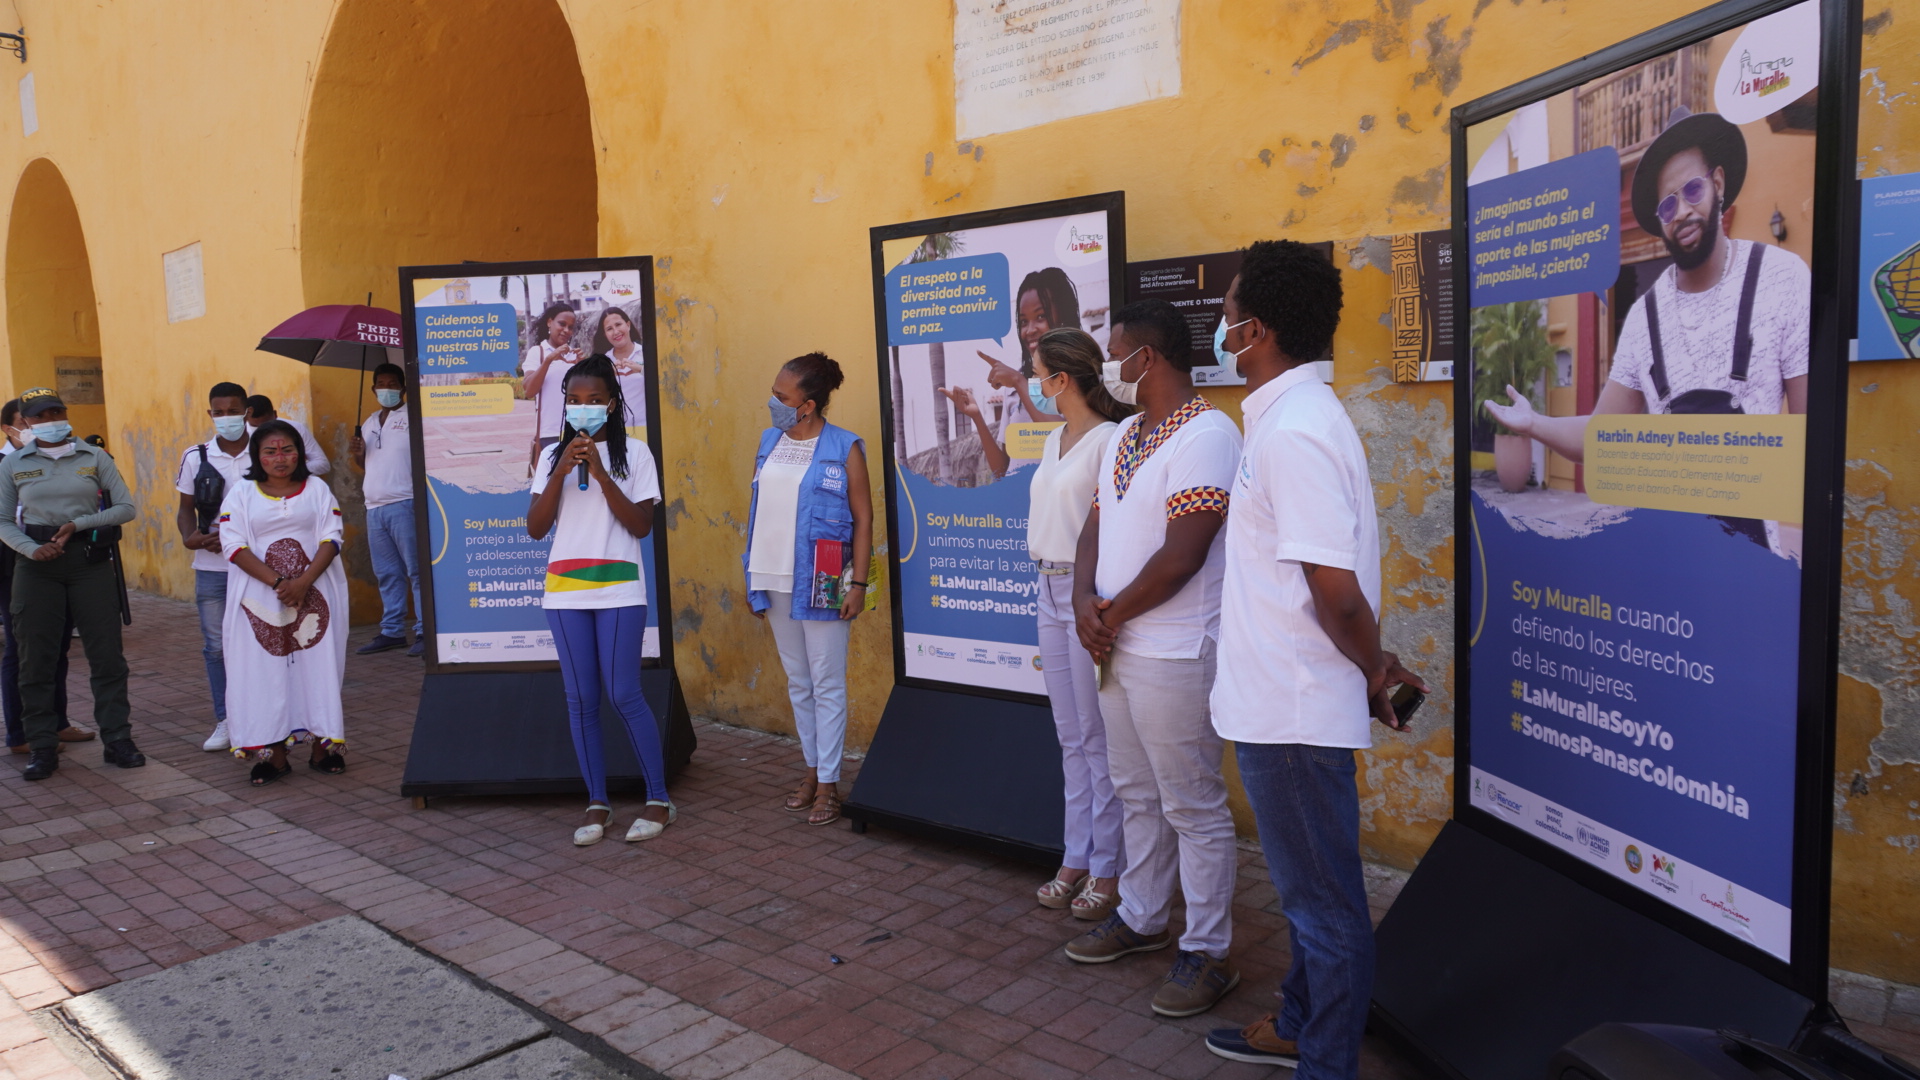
(1147, 579)
(382, 447)
(1302, 674)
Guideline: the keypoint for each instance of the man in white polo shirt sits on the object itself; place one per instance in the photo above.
(383, 447)
(207, 472)
(1147, 579)
(1301, 668)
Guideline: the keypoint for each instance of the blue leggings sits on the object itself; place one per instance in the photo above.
(607, 640)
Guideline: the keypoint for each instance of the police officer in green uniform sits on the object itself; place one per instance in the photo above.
(55, 486)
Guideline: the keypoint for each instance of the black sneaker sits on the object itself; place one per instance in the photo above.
(123, 753)
(419, 647)
(42, 764)
(380, 643)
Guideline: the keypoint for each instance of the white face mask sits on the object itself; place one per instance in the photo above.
(1123, 392)
(1229, 360)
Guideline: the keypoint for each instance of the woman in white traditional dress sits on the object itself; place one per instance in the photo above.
(286, 622)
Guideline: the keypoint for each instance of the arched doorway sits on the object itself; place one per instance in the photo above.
(439, 131)
(53, 327)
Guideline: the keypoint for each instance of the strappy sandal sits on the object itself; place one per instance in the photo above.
(1057, 894)
(797, 802)
(589, 834)
(333, 764)
(263, 773)
(826, 807)
(1092, 905)
(642, 829)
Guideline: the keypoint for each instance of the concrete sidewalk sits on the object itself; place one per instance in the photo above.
(703, 954)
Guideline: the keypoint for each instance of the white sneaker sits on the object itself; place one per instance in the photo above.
(218, 740)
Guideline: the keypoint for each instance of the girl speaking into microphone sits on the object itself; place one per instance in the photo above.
(595, 490)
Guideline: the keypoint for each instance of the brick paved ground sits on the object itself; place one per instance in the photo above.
(703, 954)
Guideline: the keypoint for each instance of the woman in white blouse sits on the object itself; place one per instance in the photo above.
(1066, 382)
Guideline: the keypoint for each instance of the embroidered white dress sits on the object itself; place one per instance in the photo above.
(284, 665)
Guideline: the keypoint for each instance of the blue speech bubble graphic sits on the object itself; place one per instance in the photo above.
(466, 337)
(965, 299)
(1553, 230)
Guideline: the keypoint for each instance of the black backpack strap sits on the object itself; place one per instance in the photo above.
(1743, 330)
(1658, 372)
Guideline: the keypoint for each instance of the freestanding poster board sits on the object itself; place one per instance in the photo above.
(492, 716)
(1647, 639)
(966, 746)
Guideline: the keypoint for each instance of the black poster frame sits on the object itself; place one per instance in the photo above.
(422, 499)
(1834, 274)
(1114, 204)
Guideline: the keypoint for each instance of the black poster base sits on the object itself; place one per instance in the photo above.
(969, 770)
(1489, 962)
(505, 733)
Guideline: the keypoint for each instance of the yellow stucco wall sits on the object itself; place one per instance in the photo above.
(749, 148)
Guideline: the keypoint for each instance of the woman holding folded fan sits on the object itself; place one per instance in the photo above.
(596, 602)
(809, 535)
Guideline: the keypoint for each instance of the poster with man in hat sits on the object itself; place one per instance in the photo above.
(1724, 327)
(1640, 312)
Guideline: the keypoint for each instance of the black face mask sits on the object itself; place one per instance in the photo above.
(1709, 236)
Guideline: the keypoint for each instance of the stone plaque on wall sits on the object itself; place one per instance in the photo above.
(1015, 66)
(77, 380)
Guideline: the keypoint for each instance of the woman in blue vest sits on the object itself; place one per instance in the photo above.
(809, 535)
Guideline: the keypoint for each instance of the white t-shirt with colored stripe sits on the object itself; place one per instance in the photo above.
(594, 561)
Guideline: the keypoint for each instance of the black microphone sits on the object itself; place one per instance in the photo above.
(583, 475)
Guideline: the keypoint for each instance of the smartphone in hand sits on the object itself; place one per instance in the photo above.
(1405, 700)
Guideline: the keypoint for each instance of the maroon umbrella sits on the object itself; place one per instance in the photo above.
(337, 335)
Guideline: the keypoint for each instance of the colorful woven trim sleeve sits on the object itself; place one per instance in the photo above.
(1195, 499)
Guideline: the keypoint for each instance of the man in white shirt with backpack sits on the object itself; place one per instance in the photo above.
(207, 472)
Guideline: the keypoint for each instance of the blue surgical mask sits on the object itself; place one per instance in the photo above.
(1229, 361)
(53, 431)
(388, 399)
(784, 415)
(587, 419)
(230, 427)
(1041, 402)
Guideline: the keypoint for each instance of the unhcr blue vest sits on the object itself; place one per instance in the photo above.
(822, 514)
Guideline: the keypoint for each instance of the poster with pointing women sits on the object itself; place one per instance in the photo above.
(959, 303)
(490, 349)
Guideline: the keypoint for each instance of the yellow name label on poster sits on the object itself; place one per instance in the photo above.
(1028, 439)
(1727, 464)
(479, 399)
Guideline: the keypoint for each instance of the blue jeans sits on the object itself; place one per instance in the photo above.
(396, 565)
(606, 642)
(10, 703)
(210, 596)
(1308, 811)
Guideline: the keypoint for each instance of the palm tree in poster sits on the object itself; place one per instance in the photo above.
(1510, 348)
(935, 247)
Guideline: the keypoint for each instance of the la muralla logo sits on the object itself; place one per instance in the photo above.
(1763, 77)
(1083, 243)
